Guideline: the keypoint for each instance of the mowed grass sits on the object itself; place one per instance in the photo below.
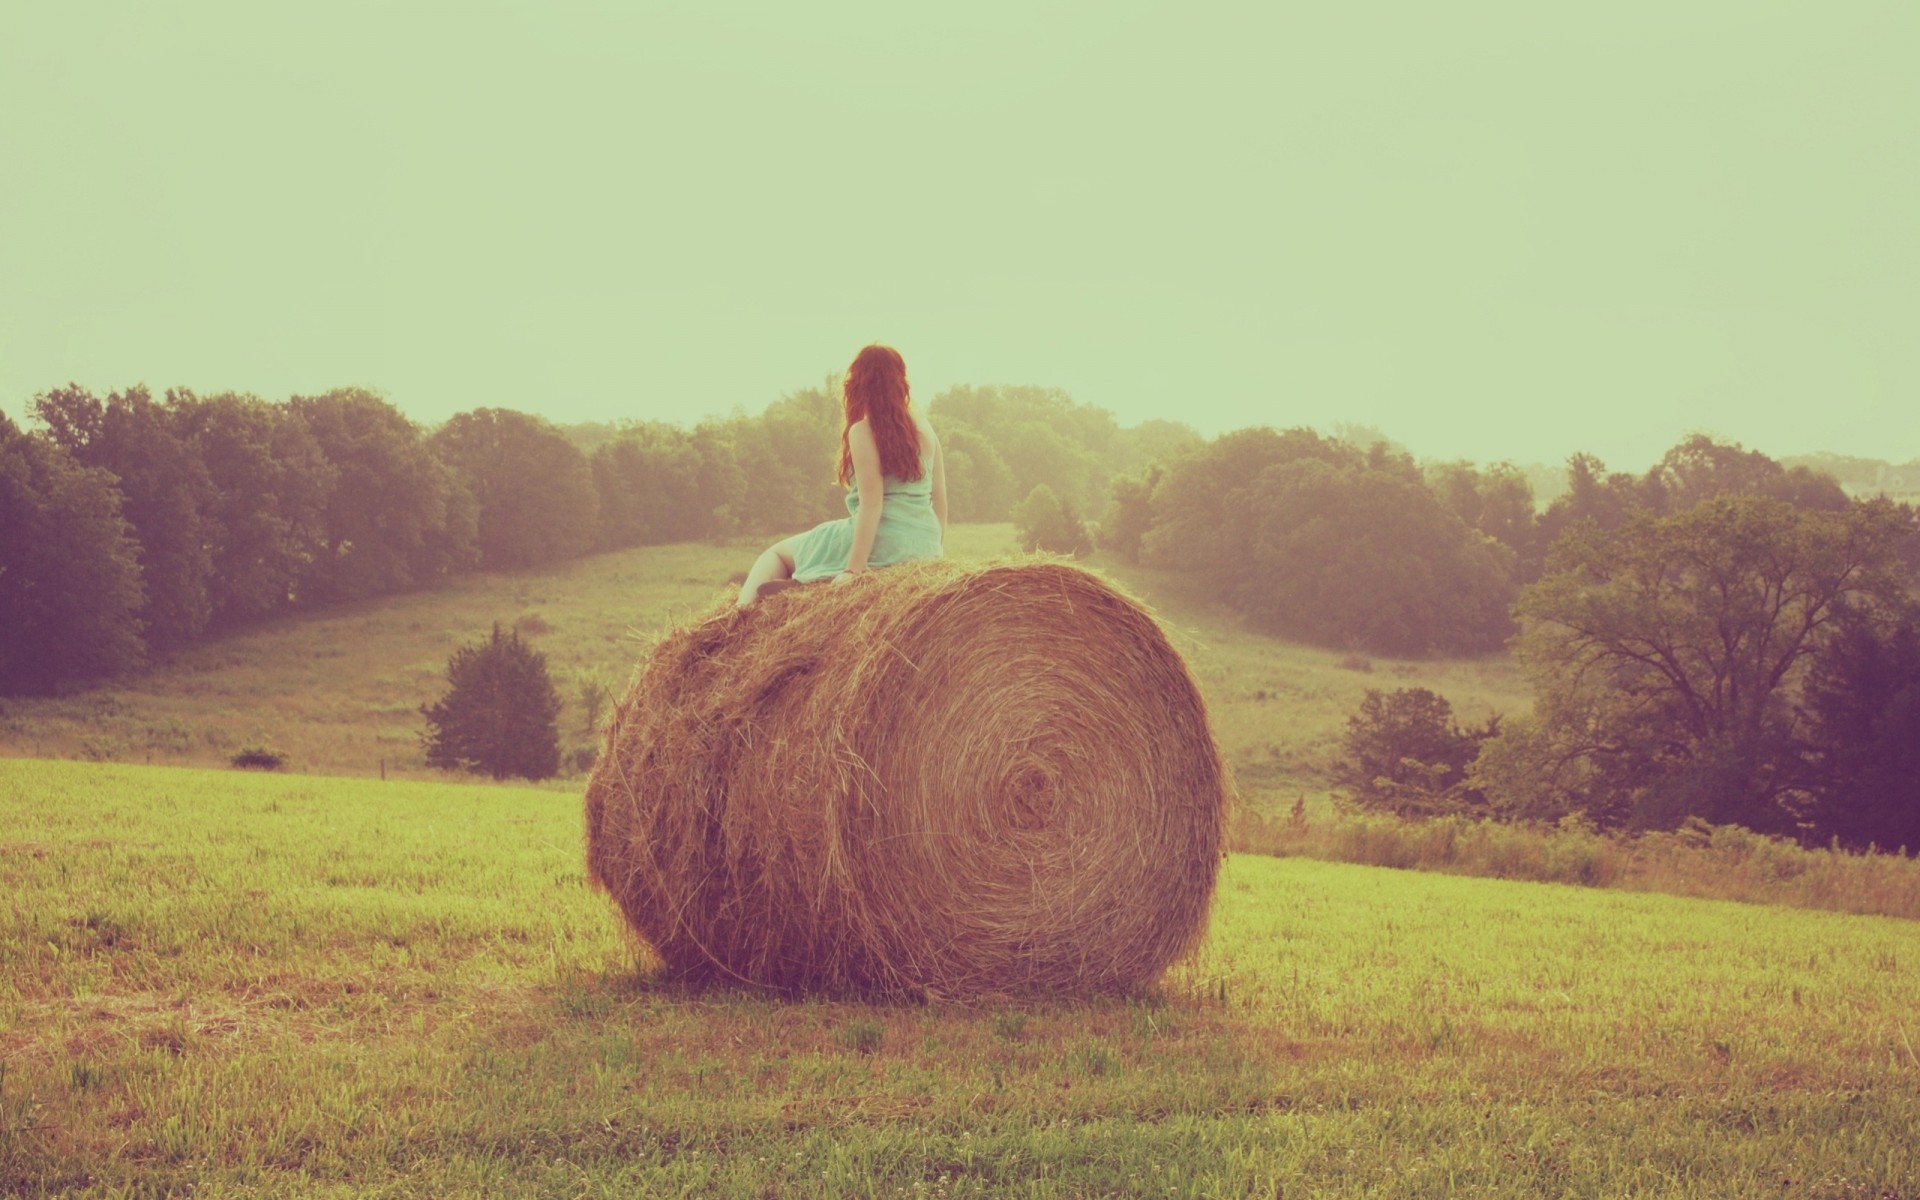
(339, 693)
(272, 985)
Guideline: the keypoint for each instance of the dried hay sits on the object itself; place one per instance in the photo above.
(933, 781)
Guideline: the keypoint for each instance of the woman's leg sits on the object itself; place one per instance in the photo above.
(775, 562)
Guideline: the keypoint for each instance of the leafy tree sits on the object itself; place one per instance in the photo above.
(395, 518)
(595, 693)
(1863, 705)
(630, 476)
(70, 592)
(533, 490)
(1497, 501)
(792, 448)
(1594, 495)
(1045, 522)
(1197, 508)
(1667, 655)
(1337, 547)
(501, 713)
(1359, 555)
(1314, 539)
(1694, 471)
(1907, 545)
(1700, 469)
(1042, 436)
(718, 502)
(1130, 514)
(1138, 448)
(979, 481)
(168, 498)
(270, 484)
(1403, 751)
(661, 483)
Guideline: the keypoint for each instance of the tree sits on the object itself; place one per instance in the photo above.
(979, 482)
(269, 490)
(1130, 513)
(1040, 435)
(1497, 501)
(1593, 495)
(167, 494)
(1361, 555)
(1045, 522)
(70, 591)
(1403, 751)
(1314, 539)
(1198, 506)
(793, 446)
(533, 489)
(395, 517)
(1139, 448)
(1699, 469)
(501, 713)
(1667, 657)
(1863, 706)
(717, 503)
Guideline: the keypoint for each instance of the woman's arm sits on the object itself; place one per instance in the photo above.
(870, 481)
(940, 488)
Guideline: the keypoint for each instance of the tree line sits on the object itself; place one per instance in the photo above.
(132, 525)
(1723, 637)
(1316, 538)
(1721, 641)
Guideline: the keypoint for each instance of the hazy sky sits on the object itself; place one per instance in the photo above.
(1490, 229)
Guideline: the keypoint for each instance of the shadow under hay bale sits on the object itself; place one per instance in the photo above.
(935, 780)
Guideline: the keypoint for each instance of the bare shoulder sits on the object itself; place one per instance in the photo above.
(928, 437)
(860, 431)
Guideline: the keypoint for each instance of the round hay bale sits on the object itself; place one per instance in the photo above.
(935, 780)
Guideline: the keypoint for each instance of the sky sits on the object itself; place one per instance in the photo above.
(1489, 230)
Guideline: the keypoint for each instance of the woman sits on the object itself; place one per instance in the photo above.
(897, 503)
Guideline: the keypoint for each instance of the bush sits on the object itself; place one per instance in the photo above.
(594, 692)
(500, 715)
(257, 758)
(1046, 522)
(1405, 752)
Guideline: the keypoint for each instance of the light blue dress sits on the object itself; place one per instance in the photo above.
(908, 530)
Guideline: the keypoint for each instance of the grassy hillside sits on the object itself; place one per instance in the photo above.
(284, 986)
(340, 694)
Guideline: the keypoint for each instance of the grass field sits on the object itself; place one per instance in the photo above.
(340, 693)
(243, 985)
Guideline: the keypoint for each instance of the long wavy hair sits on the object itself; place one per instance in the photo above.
(876, 391)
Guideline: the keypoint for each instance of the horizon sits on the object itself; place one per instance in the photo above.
(1493, 233)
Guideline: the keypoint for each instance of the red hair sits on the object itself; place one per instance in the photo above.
(876, 391)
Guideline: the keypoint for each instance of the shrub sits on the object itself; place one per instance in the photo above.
(257, 758)
(594, 693)
(1405, 752)
(1046, 522)
(500, 715)
(531, 624)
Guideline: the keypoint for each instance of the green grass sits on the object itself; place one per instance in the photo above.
(274, 985)
(340, 693)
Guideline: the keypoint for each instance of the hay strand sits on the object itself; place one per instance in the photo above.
(935, 780)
